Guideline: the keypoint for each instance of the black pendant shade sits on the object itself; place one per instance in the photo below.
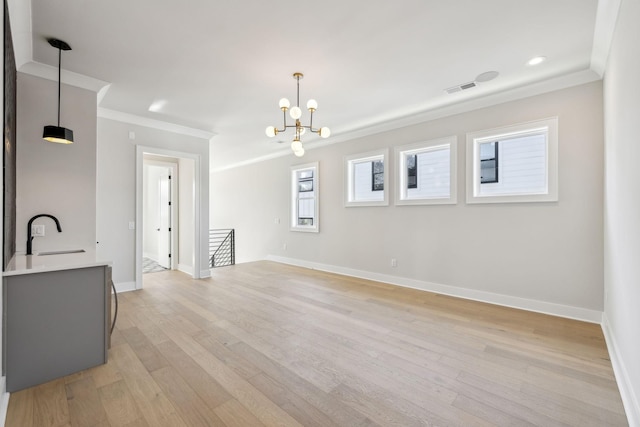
(57, 133)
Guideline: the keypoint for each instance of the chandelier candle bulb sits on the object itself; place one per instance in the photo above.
(312, 105)
(284, 104)
(299, 153)
(295, 112)
(271, 131)
(324, 132)
(296, 145)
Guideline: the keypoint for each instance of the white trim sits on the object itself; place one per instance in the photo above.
(125, 287)
(474, 139)
(450, 142)
(204, 274)
(119, 116)
(629, 399)
(66, 77)
(606, 19)
(560, 310)
(198, 240)
(349, 181)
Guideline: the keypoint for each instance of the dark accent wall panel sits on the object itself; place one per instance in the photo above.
(9, 131)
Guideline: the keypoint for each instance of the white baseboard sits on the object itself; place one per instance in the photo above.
(186, 269)
(4, 400)
(125, 286)
(629, 399)
(577, 313)
(205, 274)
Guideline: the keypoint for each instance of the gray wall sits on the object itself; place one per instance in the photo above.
(622, 206)
(51, 178)
(547, 252)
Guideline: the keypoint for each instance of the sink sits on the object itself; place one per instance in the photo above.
(68, 251)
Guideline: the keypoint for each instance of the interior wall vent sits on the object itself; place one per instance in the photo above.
(461, 87)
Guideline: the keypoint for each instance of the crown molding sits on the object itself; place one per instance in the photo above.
(70, 78)
(119, 116)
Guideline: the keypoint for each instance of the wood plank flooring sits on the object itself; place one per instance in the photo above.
(266, 344)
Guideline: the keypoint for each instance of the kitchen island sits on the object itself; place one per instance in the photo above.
(56, 316)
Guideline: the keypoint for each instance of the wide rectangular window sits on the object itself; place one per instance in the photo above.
(427, 172)
(513, 164)
(304, 198)
(366, 179)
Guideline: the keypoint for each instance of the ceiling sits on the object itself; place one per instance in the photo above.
(222, 66)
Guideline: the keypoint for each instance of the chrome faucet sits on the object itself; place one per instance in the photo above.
(30, 237)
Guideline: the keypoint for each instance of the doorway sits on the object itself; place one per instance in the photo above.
(159, 210)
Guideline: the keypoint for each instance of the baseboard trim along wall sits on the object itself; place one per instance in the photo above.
(4, 401)
(125, 286)
(570, 312)
(629, 400)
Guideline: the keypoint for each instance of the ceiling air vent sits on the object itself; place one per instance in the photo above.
(461, 87)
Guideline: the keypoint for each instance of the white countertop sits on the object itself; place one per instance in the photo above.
(29, 264)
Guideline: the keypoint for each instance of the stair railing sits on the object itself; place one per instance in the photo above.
(222, 248)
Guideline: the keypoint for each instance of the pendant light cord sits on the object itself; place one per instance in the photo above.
(59, 81)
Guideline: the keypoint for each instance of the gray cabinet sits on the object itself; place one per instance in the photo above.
(55, 323)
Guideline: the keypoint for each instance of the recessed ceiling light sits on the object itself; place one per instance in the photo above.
(537, 60)
(157, 105)
(487, 76)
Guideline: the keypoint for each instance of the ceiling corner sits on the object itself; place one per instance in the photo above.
(606, 19)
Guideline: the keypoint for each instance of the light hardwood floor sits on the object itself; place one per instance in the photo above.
(269, 344)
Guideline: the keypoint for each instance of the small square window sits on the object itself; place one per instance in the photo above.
(427, 172)
(366, 180)
(516, 163)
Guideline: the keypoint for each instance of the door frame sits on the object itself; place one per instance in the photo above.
(140, 152)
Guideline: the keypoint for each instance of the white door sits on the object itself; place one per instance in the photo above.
(164, 218)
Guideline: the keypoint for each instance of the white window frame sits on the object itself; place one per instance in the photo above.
(349, 181)
(401, 153)
(474, 139)
(293, 220)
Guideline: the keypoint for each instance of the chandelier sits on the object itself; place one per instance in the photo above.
(295, 113)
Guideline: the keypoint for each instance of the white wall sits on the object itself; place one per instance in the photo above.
(185, 216)
(51, 178)
(622, 206)
(116, 190)
(543, 252)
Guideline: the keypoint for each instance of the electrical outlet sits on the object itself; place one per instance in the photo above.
(37, 230)
(276, 221)
(394, 262)
(132, 225)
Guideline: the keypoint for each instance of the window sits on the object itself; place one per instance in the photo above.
(304, 197)
(366, 179)
(513, 164)
(427, 172)
(489, 162)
